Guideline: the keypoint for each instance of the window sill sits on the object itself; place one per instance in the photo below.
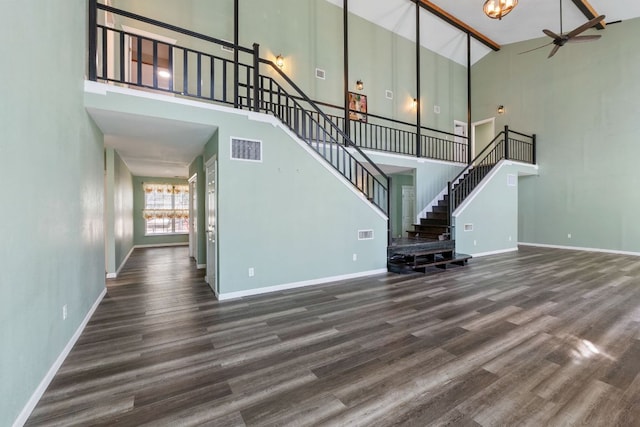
(165, 234)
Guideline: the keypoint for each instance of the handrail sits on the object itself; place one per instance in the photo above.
(498, 149)
(324, 116)
(200, 78)
(170, 27)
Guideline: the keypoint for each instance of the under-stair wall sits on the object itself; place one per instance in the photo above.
(487, 221)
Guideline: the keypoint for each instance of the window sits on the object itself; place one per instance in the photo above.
(166, 209)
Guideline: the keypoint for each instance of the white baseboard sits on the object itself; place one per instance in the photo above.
(286, 286)
(42, 387)
(201, 266)
(161, 245)
(124, 261)
(578, 248)
(498, 252)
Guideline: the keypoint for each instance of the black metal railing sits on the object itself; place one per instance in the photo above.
(251, 83)
(507, 145)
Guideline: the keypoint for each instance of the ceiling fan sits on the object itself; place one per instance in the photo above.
(573, 36)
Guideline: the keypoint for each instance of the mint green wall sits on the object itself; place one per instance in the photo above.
(123, 209)
(52, 250)
(118, 224)
(197, 168)
(583, 105)
(109, 212)
(309, 34)
(138, 221)
(431, 176)
(287, 217)
(493, 212)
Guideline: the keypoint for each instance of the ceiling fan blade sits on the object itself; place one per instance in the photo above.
(553, 51)
(551, 34)
(585, 26)
(579, 39)
(535, 48)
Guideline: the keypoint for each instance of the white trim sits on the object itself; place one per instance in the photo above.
(42, 387)
(201, 266)
(407, 157)
(194, 177)
(148, 35)
(160, 245)
(578, 248)
(286, 286)
(124, 261)
(485, 181)
(498, 252)
(104, 89)
(473, 133)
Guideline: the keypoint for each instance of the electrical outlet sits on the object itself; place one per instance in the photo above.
(475, 243)
(252, 272)
(436, 109)
(355, 257)
(64, 312)
(569, 236)
(509, 238)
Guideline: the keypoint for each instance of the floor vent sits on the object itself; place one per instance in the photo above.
(365, 234)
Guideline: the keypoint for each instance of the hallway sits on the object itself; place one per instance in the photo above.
(540, 336)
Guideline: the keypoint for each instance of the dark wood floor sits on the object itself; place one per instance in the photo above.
(538, 337)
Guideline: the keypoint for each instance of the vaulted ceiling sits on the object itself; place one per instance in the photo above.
(525, 22)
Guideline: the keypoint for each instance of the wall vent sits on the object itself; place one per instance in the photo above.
(365, 234)
(388, 94)
(320, 74)
(468, 227)
(246, 149)
(511, 180)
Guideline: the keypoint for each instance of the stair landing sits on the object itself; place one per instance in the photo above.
(408, 255)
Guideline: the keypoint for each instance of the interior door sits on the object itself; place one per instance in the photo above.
(212, 231)
(408, 208)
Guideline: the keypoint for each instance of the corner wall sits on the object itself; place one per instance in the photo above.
(583, 106)
(52, 158)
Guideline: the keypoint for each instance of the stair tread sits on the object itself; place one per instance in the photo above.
(456, 257)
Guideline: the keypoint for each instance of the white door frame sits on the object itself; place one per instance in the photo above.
(491, 120)
(463, 125)
(193, 212)
(127, 52)
(211, 167)
(412, 188)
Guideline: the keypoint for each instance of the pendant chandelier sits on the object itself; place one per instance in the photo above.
(496, 9)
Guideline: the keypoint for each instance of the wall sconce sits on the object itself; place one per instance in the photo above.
(414, 103)
(359, 85)
(280, 61)
(500, 109)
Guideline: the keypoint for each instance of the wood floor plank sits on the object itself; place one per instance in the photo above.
(535, 337)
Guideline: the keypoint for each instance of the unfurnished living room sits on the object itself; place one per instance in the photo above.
(320, 212)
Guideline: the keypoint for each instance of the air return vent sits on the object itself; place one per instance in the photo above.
(246, 149)
(320, 74)
(511, 180)
(365, 234)
(468, 227)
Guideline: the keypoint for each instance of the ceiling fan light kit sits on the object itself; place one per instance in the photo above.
(496, 9)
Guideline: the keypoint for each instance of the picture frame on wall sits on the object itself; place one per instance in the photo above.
(357, 107)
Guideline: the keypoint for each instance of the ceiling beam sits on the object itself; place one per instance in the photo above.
(589, 12)
(452, 20)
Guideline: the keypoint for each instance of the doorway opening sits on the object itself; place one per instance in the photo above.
(482, 133)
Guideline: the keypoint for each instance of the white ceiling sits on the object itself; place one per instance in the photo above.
(525, 22)
(150, 146)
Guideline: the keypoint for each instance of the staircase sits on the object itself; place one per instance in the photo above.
(431, 243)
